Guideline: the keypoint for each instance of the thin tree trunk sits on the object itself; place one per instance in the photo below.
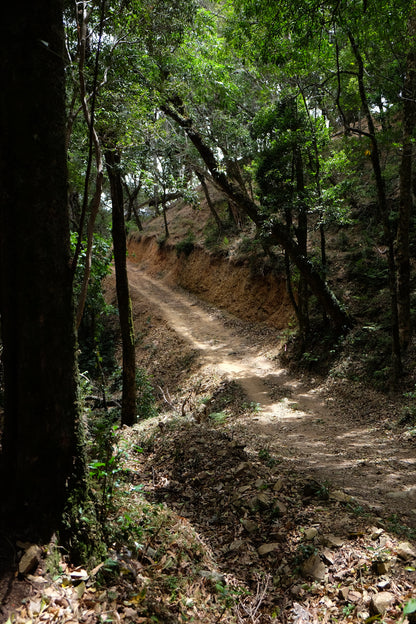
(94, 145)
(137, 218)
(406, 194)
(165, 218)
(384, 213)
(131, 204)
(211, 206)
(128, 403)
(302, 237)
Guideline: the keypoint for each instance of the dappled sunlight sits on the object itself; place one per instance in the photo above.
(296, 421)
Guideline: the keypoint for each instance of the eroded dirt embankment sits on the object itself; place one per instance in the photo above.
(230, 286)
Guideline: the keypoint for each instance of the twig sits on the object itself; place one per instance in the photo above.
(166, 397)
(255, 603)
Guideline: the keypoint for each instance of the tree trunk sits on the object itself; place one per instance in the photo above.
(42, 443)
(384, 215)
(131, 204)
(128, 403)
(165, 218)
(302, 238)
(211, 206)
(94, 145)
(406, 199)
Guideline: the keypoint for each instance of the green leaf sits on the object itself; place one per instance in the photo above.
(410, 607)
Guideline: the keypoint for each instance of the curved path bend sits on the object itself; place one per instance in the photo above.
(300, 423)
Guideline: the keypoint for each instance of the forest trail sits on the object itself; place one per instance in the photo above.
(332, 434)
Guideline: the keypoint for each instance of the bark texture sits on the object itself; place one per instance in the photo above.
(40, 440)
(128, 403)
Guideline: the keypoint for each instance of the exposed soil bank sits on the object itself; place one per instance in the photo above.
(228, 285)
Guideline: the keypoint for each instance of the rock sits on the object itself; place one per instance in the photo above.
(332, 541)
(249, 525)
(314, 568)
(236, 545)
(405, 551)
(265, 549)
(312, 488)
(381, 602)
(340, 496)
(354, 596)
(380, 567)
(328, 556)
(30, 560)
(278, 485)
(310, 533)
(376, 532)
(343, 593)
(242, 468)
(280, 506)
(384, 584)
(260, 501)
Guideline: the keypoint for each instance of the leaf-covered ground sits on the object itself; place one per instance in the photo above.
(217, 533)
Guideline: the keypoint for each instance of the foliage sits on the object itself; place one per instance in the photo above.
(145, 395)
(186, 245)
(409, 607)
(94, 335)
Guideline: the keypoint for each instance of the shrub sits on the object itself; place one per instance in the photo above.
(186, 246)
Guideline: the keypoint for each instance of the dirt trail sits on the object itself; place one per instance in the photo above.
(336, 438)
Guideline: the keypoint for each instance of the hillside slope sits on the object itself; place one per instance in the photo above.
(238, 282)
(232, 286)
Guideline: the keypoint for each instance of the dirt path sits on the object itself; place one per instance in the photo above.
(341, 438)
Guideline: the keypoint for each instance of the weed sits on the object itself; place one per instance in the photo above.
(408, 415)
(323, 491)
(266, 457)
(104, 470)
(358, 510)
(218, 417)
(395, 526)
(348, 609)
(409, 607)
(145, 398)
(303, 552)
(309, 358)
(253, 407)
(227, 594)
(186, 246)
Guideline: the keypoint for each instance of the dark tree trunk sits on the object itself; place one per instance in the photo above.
(302, 238)
(131, 204)
(165, 217)
(42, 442)
(406, 200)
(128, 403)
(211, 206)
(384, 215)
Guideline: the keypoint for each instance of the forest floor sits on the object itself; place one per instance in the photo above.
(257, 495)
